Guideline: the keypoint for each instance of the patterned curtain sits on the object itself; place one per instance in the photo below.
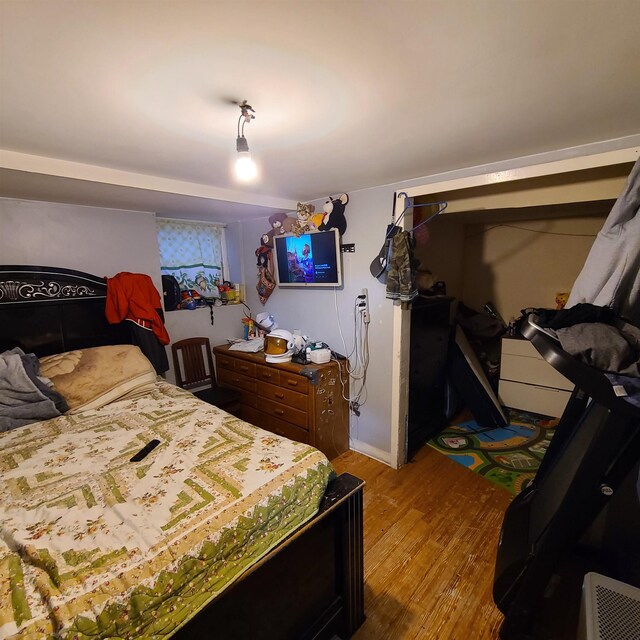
(191, 252)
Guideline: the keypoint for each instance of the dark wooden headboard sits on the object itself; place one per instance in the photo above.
(48, 310)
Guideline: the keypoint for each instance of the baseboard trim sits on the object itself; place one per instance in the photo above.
(371, 452)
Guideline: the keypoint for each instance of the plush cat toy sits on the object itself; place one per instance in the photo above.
(303, 224)
(334, 217)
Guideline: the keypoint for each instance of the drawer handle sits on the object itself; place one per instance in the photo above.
(243, 368)
(280, 396)
(236, 380)
(280, 412)
(267, 375)
(292, 383)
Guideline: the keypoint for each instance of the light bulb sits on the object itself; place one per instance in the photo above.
(246, 169)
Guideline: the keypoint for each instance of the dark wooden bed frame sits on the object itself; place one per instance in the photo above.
(311, 585)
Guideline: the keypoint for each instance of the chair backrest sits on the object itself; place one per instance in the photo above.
(193, 372)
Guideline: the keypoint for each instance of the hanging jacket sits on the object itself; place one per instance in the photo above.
(132, 296)
(611, 274)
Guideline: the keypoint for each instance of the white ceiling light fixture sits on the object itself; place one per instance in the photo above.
(245, 168)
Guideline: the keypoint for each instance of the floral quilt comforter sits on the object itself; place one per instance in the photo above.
(95, 546)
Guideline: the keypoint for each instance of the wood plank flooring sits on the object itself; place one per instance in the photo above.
(430, 536)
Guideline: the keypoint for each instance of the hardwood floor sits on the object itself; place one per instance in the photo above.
(430, 536)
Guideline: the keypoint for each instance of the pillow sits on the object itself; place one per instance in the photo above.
(92, 378)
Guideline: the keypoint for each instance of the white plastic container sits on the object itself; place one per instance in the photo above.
(320, 356)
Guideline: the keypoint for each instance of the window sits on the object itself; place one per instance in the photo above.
(193, 252)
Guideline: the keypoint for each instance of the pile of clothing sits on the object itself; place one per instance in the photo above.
(25, 395)
(598, 337)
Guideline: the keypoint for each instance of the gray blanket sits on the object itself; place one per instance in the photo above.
(25, 397)
(603, 346)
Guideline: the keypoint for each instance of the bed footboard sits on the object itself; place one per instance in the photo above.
(311, 587)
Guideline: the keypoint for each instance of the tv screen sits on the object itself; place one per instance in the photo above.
(310, 260)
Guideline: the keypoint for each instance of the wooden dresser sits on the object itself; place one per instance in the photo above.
(300, 402)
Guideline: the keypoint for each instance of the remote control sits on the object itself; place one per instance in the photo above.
(145, 451)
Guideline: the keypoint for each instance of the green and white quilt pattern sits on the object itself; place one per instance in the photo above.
(95, 546)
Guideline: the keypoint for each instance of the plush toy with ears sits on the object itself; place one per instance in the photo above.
(266, 240)
(334, 217)
(303, 223)
(281, 223)
(276, 221)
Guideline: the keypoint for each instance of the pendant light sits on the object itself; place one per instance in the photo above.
(245, 168)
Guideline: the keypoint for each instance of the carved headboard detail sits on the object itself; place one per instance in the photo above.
(20, 284)
(49, 310)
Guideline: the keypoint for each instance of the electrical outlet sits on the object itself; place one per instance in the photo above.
(365, 309)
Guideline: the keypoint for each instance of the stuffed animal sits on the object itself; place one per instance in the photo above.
(263, 254)
(316, 219)
(334, 217)
(281, 223)
(288, 224)
(303, 223)
(276, 221)
(267, 239)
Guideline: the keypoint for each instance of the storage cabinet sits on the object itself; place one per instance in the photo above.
(431, 321)
(529, 382)
(300, 402)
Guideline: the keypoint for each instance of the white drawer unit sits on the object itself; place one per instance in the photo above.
(529, 382)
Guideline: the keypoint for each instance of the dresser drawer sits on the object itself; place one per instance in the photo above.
(285, 396)
(268, 374)
(224, 362)
(532, 371)
(237, 380)
(248, 398)
(281, 411)
(245, 368)
(519, 347)
(285, 429)
(549, 402)
(294, 381)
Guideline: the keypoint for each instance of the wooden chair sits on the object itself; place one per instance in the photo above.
(191, 372)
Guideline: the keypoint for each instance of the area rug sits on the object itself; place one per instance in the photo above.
(508, 457)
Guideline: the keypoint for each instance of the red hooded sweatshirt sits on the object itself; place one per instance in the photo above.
(132, 296)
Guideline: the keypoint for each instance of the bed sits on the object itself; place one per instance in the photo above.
(222, 531)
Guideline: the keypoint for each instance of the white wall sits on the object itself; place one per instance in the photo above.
(515, 268)
(104, 242)
(314, 310)
(98, 241)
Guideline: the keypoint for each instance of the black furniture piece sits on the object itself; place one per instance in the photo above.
(309, 587)
(582, 512)
(193, 368)
(429, 347)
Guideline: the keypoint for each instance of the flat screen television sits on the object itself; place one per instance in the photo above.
(309, 260)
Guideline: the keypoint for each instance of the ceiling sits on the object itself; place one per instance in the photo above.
(126, 104)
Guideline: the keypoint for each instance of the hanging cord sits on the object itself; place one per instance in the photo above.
(244, 114)
(356, 363)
